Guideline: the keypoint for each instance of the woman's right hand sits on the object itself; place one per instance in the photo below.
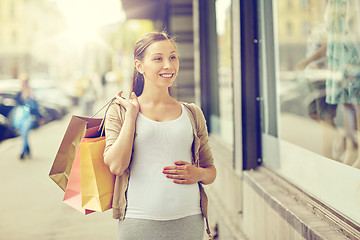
(131, 105)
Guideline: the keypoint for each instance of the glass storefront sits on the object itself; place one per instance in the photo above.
(317, 86)
(222, 124)
(319, 77)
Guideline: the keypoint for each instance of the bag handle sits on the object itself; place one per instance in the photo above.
(102, 124)
(107, 104)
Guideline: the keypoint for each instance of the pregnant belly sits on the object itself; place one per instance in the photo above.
(162, 199)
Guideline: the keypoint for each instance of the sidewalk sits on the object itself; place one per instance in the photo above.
(31, 203)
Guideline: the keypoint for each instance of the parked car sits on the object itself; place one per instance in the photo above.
(5, 131)
(53, 102)
(7, 102)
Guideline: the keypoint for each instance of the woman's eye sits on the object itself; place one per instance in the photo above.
(157, 59)
(173, 57)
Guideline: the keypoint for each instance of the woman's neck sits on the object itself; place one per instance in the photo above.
(156, 97)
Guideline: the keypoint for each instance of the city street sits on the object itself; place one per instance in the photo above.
(31, 203)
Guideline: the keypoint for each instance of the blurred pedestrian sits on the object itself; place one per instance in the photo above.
(26, 114)
(90, 92)
(158, 148)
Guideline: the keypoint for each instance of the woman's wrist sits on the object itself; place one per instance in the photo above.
(208, 175)
(131, 115)
(202, 174)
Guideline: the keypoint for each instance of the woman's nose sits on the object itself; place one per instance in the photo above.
(167, 64)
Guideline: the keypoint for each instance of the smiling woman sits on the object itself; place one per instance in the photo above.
(152, 136)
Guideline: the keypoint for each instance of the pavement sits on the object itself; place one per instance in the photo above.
(31, 204)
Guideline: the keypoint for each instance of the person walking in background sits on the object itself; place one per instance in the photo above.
(158, 149)
(26, 114)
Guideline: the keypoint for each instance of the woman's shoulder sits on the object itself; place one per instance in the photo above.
(196, 112)
(192, 107)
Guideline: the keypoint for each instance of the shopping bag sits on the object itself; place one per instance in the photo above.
(72, 195)
(77, 129)
(97, 182)
(19, 115)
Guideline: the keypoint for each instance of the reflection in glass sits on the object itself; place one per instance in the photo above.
(319, 77)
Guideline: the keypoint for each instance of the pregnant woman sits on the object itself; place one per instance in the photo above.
(158, 149)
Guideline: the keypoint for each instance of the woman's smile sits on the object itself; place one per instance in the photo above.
(167, 75)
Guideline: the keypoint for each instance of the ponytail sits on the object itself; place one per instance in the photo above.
(137, 83)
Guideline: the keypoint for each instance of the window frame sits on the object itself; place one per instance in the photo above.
(250, 80)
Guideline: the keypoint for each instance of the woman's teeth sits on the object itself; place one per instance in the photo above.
(168, 75)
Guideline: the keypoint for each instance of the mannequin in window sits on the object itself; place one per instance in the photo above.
(314, 67)
(343, 83)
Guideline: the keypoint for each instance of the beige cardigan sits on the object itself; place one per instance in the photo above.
(201, 154)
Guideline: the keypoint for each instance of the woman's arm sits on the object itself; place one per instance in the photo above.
(320, 52)
(118, 154)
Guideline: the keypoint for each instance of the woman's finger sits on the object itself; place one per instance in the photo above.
(172, 171)
(170, 168)
(179, 163)
(123, 101)
(181, 181)
(120, 100)
(134, 99)
(181, 177)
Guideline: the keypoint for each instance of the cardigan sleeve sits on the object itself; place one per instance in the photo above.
(205, 155)
(113, 124)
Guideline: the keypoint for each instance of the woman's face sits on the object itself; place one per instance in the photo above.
(160, 64)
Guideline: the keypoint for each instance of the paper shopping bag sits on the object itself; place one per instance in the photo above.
(72, 195)
(78, 128)
(97, 182)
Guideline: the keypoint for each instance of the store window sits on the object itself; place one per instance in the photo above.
(222, 124)
(14, 37)
(316, 81)
(12, 9)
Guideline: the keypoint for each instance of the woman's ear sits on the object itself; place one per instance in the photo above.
(138, 66)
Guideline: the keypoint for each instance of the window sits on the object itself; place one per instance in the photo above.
(305, 28)
(12, 9)
(14, 37)
(290, 4)
(289, 29)
(304, 4)
(311, 107)
(222, 124)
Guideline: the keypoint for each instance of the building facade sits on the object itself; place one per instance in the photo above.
(25, 39)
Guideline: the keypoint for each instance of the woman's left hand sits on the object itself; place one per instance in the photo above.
(184, 173)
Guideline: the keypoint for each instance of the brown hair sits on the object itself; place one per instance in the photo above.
(141, 45)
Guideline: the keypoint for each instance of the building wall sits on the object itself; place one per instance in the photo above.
(23, 35)
(259, 205)
(180, 26)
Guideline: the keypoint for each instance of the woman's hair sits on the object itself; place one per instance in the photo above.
(141, 45)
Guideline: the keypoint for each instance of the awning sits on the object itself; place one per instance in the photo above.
(144, 9)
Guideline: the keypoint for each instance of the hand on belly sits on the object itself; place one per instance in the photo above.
(183, 173)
